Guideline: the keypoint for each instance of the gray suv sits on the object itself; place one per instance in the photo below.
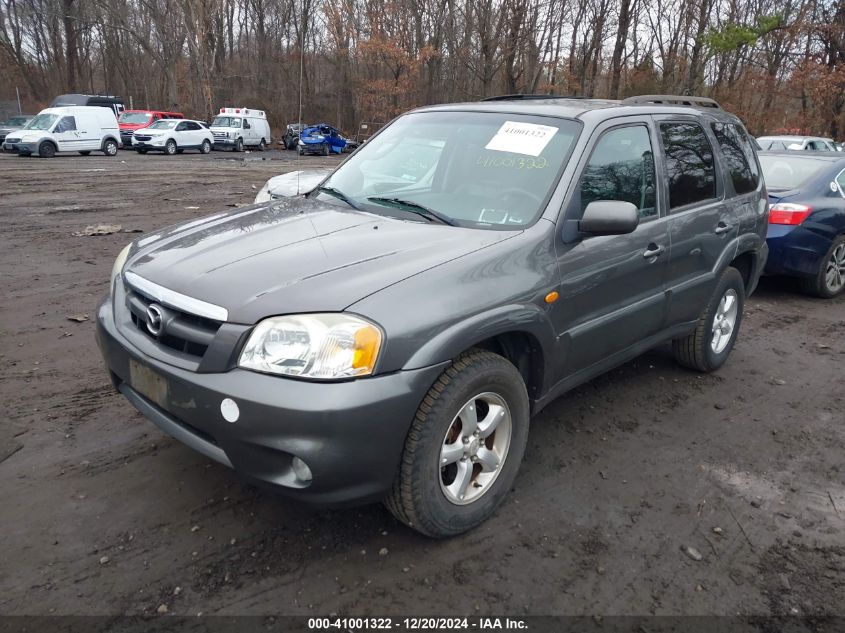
(389, 335)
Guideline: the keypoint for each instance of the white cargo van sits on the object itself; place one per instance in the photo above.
(82, 129)
(236, 128)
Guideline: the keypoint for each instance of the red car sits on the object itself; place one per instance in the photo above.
(132, 120)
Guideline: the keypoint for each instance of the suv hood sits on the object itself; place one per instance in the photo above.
(297, 255)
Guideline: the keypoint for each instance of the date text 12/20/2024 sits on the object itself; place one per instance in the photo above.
(417, 624)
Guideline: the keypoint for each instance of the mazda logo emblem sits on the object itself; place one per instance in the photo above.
(155, 319)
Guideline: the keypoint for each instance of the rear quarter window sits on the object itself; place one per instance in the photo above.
(690, 170)
(739, 156)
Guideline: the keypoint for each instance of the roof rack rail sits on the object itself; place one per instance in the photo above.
(675, 100)
(518, 97)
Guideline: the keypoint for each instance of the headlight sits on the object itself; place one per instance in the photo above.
(264, 194)
(322, 346)
(119, 262)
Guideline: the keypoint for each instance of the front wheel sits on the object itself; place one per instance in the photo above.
(709, 345)
(205, 148)
(325, 150)
(110, 147)
(170, 147)
(46, 150)
(464, 447)
(239, 145)
(829, 281)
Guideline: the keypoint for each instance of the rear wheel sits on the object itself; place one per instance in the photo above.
(110, 147)
(205, 148)
(464, 447)
(830, 280)
(262, 145)
(170, 147)
(46, 150)
(708, 347)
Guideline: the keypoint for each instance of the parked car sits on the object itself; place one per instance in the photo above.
(130, 121)
(295, 183)
(812, 143)
(13, 124)
(115, 104)
(82, 129)
(291, 136)
(173, 136)
(390, 341)
(236, 128)
(807, 219)
(321, 139)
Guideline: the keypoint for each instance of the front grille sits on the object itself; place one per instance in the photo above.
(144, 137)
(219, 134)
(181, 331)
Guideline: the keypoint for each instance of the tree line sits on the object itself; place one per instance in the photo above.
(779, 64)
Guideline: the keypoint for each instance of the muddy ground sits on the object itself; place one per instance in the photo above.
(104, 514)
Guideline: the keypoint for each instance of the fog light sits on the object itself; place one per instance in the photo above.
(301, 470)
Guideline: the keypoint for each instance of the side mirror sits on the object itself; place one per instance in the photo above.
(609, 217)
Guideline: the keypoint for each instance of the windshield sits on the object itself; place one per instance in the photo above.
(135, 117)
(477, 169)
(164, 124)
(789, 172)
(42, 122)
(226, 121)
(17, 121)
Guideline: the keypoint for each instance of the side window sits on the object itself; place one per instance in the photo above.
(246, 124)
(193, 126)
(66, 124)
(739, 156)
(181, 127)
(621, 167)
(689, 164)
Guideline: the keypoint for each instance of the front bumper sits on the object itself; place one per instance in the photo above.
(147, 145)
(19, 148)
(223, 143)
(350, 434)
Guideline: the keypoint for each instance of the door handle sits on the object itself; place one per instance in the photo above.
(653, 250)
(722, 228)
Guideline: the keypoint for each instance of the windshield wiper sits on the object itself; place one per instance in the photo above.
(414, 207)
(337, 193)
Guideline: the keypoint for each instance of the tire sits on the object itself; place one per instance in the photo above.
(85, 153)
(205, 148)
(326, 150)
(829, 281)
(424, 496)
(170, 147)
(262, 145)
(110, 147)
(301, 152)
(46, 150)
(239, 145)
(290, 144)
(701, 350)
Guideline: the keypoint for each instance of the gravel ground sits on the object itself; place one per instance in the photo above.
(651, 490)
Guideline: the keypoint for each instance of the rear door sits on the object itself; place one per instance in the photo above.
(701, 223)
(613, 287)
(195, 131)
(744, 184)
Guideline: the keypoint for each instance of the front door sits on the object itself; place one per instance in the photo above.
(68, 137)
(612, 288)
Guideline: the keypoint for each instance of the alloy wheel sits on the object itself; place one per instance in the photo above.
(724, 321)
(475, 448)
(835, 272)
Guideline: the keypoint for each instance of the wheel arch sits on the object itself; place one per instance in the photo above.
(106, 139)
(521, 334)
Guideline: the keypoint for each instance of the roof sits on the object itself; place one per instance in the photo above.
(575, 108)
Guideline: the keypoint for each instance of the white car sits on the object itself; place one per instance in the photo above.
(810, 143)
(173, 136)
(292, 184)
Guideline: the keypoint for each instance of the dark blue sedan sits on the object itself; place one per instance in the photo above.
(807, 219)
